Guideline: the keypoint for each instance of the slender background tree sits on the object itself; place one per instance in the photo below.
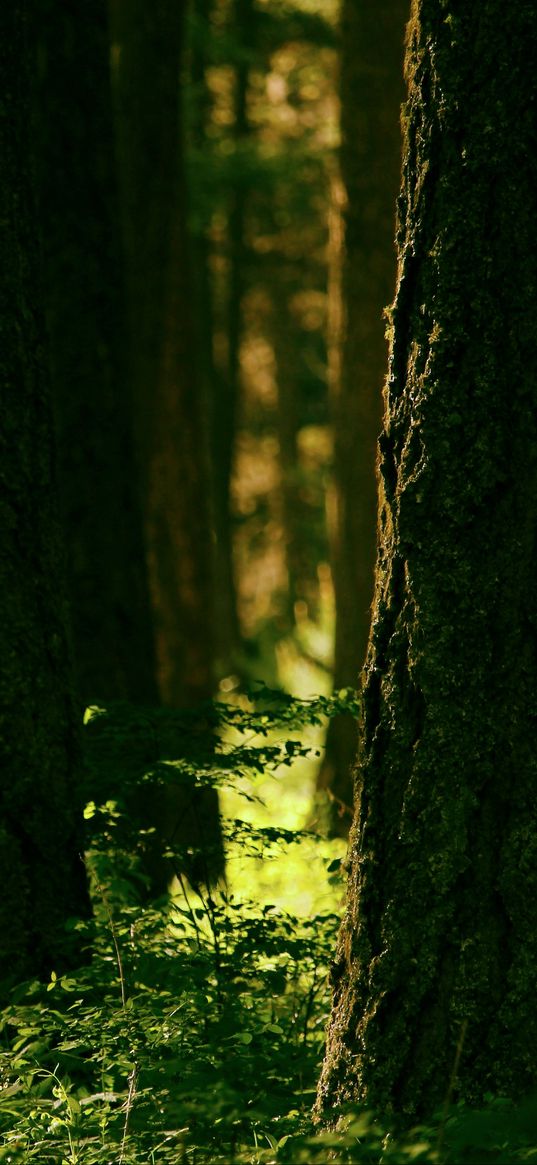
(167, 372)
(257, 194)
(219, 382)
(149, 44)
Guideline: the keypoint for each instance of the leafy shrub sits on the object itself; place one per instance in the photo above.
(195, 1031)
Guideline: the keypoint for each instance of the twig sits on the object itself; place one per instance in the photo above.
(451, 1088)
(133, 1076)
(116, 946)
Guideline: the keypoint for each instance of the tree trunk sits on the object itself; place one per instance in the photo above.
(298, 513)
(227, 388)
(87, 319)
(177, 503)
(148, 55)
(221, 421)
(440, 933)
(41, 871)
(371, 89)
(171, 428)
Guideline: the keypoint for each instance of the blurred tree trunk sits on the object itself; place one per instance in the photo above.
(148, 52)
(226, 398)
(371, 95)
(86, 319)
(220, 385)
(297, 518)
(440, 935)
(41, 871)
(171, 426)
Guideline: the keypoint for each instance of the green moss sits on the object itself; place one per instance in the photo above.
(442, 864)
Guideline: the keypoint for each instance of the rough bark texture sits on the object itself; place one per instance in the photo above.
(86, 315)
(41, 872)
(441, 921)
(372, 90)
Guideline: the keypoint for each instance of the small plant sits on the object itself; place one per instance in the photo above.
(195, 1031)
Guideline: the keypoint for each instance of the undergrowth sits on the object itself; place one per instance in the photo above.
(193, 1031)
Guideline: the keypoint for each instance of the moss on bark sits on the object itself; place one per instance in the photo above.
(441, 921)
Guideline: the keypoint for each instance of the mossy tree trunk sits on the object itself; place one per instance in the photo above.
(86, 315)
(440, 932)
(41, 871)
(371, 90)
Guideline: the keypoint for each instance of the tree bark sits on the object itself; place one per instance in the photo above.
(440, 932)
(41, 871)
(371, 88)
(86, 314)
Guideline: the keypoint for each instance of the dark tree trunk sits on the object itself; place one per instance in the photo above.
(441, 922)
(41, 871)
(86, 317)
(170, 426)
(145, 73)
(177, 503)
(220, 420)
(227, 388)
(370, 160)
